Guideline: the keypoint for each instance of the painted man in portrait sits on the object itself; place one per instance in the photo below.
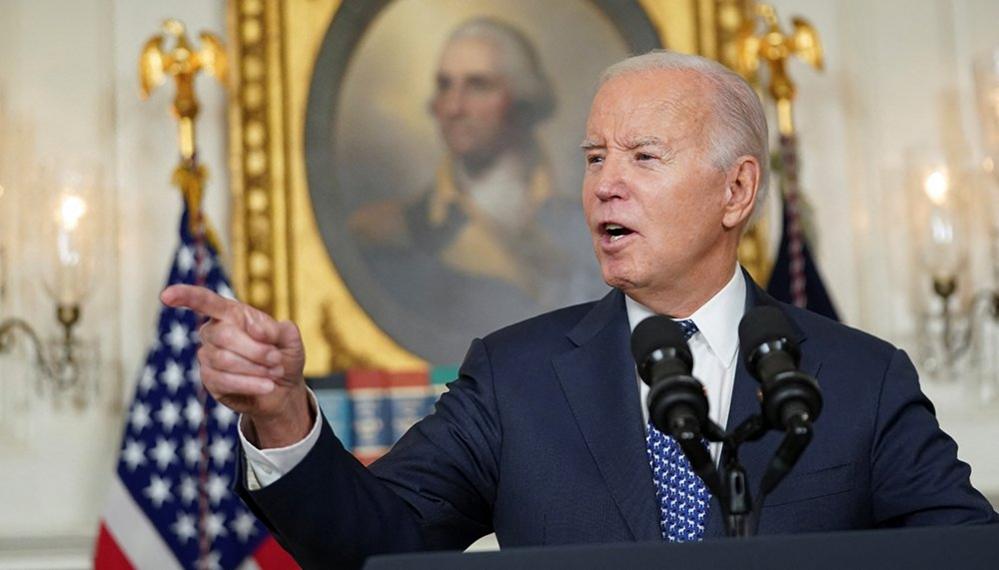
(491, 235)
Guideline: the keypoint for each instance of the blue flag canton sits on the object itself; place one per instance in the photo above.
(178, 456)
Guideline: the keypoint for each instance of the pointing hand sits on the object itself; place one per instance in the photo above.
(250, 363)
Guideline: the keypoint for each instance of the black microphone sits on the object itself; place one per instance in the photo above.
(790, 397)
(677, 403)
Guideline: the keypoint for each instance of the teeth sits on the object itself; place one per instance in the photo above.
(615, 231)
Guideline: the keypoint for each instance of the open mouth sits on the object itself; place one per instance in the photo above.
(613, 232)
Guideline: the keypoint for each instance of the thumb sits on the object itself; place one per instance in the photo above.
(288, 337)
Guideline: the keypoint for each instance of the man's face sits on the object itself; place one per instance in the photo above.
(652, 195)
(473, 99)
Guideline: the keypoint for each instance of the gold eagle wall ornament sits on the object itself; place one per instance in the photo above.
(775, 47)
(183, 63)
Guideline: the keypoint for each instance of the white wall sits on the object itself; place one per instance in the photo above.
(69, 87)
(897, 76)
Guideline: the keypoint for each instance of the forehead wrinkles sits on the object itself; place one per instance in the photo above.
(670, 114)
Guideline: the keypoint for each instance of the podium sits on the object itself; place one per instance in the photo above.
(929, 548)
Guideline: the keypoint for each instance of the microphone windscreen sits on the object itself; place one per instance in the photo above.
(760, 325)
(654, 333)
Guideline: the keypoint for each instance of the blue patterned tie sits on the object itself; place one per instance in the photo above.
(683, 498)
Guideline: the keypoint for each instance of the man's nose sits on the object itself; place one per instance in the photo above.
(452, 102)
(612, 181)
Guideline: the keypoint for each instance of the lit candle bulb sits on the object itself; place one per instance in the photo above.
(944, 250)
(936, 186)
(70, 244)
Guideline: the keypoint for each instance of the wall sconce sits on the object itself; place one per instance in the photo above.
(961, 321)
(942, 254)
(63, 243)
(957, 311)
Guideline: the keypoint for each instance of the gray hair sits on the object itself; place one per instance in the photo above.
(740, 125)
(534, 98)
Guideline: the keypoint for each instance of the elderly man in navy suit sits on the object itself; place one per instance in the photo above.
(543, 438)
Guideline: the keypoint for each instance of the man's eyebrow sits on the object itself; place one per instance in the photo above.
(630, 144)
(643, 141)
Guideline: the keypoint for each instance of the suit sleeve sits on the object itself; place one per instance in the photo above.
(917, 478)
(433, 490)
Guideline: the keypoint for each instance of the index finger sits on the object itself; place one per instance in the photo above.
(198, 299)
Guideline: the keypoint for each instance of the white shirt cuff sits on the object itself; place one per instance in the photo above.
(265, 466)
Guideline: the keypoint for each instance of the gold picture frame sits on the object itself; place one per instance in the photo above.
(281, 263)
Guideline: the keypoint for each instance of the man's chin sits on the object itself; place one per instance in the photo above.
(474, 161)
(464, 146)
(619, 281)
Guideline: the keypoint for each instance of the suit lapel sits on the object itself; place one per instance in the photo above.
(599, 382)
(754, 455)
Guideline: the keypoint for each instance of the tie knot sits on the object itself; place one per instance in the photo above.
(689, 328)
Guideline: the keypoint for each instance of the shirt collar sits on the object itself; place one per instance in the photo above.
(717, 320)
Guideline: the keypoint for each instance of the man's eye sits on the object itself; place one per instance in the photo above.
(481, 84)
(644, 156)
(594, 159)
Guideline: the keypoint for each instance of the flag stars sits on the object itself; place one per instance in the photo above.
(194, 374)
(140, 417)
(158, 491)
(185, 259)
(163, 453)
(215, 526)
(224, 416)
(148, 379)
(177, 338)
(184, 528)
(221, 451)
(168, 415)
(217, 488)
(191, 451)
(134, 454)
(243, 525)
(188, 490)
(172, 376)
(193, 413)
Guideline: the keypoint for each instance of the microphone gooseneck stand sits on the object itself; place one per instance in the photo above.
(728, 482)
(678, 406)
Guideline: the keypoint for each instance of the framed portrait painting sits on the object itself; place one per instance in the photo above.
(406, 173)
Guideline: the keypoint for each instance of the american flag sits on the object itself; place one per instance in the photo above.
(171, 503)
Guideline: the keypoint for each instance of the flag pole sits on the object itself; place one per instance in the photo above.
(183, 63)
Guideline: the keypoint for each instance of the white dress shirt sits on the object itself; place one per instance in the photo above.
(714, 348)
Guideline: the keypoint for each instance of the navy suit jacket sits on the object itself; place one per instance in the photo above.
(541, 440)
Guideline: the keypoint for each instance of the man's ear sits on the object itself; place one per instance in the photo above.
(741, 185)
